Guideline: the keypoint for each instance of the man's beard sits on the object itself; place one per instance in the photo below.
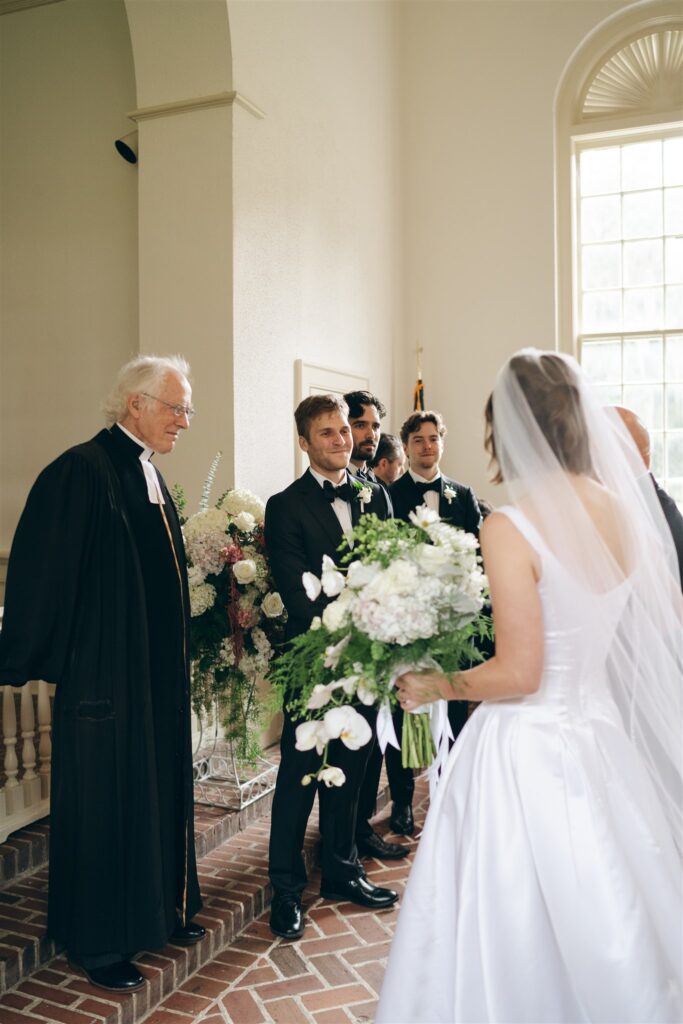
(358, 455)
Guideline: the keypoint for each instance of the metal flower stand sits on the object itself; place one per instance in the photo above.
(220, 779)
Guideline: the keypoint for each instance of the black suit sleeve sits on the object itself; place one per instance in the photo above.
(472, 512)
(286, 546)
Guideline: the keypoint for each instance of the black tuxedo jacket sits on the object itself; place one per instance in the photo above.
(462, 510)
(300, 527)
(675, 521)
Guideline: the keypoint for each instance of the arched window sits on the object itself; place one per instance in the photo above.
(625, 189)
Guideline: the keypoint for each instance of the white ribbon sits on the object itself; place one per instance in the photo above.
(438, 723)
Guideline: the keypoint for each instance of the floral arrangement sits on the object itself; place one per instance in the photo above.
(236, 616)
(407, 595)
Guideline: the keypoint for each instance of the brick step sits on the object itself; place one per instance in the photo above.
(40, 986)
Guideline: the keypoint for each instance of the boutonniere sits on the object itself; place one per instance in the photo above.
(448, 494)
(363, 493)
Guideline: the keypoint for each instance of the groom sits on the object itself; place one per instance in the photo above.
(304, 522)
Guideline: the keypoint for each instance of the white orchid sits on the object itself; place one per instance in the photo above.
(312, 585)
(332, 580)
(338, 613)
(346, 724)
(321, 695)
(359, 575)
(334, 652)
(312, 734)
(331, 776)
(316, 622)
(365, 693)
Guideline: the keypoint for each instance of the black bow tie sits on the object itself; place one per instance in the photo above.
(345, 491)
(435, 485)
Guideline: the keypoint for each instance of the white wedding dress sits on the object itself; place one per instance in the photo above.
(546, 887)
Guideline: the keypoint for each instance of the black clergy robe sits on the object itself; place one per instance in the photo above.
(97, 603)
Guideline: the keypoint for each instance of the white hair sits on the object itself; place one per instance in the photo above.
(143, 373)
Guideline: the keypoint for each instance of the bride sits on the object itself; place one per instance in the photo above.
(547, 884)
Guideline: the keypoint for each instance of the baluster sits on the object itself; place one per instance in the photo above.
(45, 742)
(9, 728)
(28, 728)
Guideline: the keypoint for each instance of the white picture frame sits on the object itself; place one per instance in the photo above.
(311, 379)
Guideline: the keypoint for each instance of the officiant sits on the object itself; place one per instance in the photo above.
(97, 603)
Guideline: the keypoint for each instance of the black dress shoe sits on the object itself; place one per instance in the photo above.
(122, 976)
(286, 918)
(188, 935)
(360, 891)
(374, 846)
(401, 820)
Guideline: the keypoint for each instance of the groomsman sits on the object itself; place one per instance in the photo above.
(304, 522)
(389, 461)
(365, 413)
(423, 436)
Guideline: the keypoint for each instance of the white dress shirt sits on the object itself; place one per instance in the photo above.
(342, 509)
(151, 477)
(431, 498)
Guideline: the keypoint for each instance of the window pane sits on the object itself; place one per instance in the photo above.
(601, 361)
(674, 409)
(673, 211)
(673, 161)
(601, 312)
(674, 306)
(643, 308)
(601, 266)
(641, 165)
(646, 400)
(673, 260)
(643, 360)
(601, 218)
(642, 214)
(675, 489)
(599, 171)
(674, 358)
(608, 394)
(657, 453)
(674, 454)
(643, 263)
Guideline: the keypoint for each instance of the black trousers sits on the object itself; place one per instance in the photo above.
(292, 805)
(401, 780)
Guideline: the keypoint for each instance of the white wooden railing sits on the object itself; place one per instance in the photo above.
(25, 796)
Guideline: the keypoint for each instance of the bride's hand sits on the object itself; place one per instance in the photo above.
(415, 688)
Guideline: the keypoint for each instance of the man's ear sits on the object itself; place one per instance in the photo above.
(133, 405)
(303, 443)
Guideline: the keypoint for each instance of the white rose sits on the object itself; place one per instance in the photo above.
(312, 585)
(331, 776)
(272, 605)
(245, 522)
(349, 726)
(311, 734)
(435, 560)
(245, 571)
(332, 580)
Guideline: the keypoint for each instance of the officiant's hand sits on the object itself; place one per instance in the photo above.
(415, 688)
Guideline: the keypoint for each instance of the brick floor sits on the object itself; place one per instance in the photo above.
(331, 976)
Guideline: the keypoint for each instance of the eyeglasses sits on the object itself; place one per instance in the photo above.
(178, 410)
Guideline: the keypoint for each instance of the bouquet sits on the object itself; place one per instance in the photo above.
(407, 596)
(236, 616)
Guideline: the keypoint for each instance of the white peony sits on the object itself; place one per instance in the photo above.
(272, 605)
(346, 724)
(245, 522)
(245, 570)
(434, 559)
(312, 734)
(332, 580)
(312, 585)
(331, 776)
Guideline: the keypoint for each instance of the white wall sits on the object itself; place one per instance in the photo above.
(68, 231)
(477, 87)
(315, 212)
